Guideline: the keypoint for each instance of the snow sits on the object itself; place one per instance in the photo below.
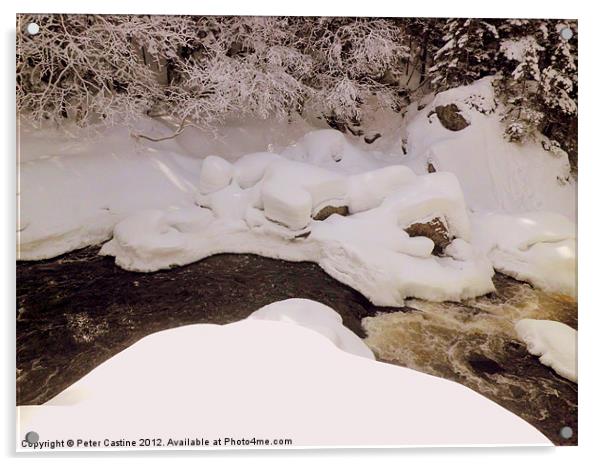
(269, 379)
(367, 190)
(316, 316)
(73, 190)
(495, 175)
(554, 342)
(330, 149)
(537, 247)
(216, 174)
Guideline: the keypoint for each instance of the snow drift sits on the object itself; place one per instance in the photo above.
(269, 379)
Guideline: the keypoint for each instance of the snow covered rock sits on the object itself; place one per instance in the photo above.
(318, 317)
(368, 190)
(267, 378)
(434, 229)
(330, 149)
(537, 247)
(554, 342)
(250, 168)
(216, 174)
(287, 204)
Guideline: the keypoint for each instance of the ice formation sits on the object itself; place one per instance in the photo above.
(537, 247)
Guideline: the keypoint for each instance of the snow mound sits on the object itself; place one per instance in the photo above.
(330, 149)
(537, 247)
(368, 190)
(554, 342)
(267, 380)
(316, 316)
(216, 174)
(496, 175)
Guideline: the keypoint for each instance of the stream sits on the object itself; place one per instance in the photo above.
(77, 310)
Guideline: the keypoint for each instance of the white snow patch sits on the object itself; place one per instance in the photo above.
(554, 342)
(316, 316)
(265, 379)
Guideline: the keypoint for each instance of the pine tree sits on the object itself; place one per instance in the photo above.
(468, 53)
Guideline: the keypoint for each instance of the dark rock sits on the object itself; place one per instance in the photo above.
(371, 139)
(451, 118)
(431, 168)
(329, 210)
(434, 229)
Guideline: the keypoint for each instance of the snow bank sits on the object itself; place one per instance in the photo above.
(73, 190)
(554, 342)
(78, 190)
(537, 247)
(316, 316)
(495, 175)
(368, 250)
(267, 379)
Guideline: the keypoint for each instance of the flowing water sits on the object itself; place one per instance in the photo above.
(474, 343)
(78, 310)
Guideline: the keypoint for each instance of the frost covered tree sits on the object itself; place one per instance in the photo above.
(88, 68)
(468, 53)
(204, 69)
(520, 54)
(538, 83)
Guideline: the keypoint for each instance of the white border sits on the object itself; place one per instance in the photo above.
(590, 172)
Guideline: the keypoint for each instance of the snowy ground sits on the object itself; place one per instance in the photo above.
(297, 385)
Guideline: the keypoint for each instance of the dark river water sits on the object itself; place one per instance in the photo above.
(79, 309)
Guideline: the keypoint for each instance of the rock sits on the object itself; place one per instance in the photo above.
(451, 118)
(431, 168)
(434, 229)
(371, 139)
(329, 210)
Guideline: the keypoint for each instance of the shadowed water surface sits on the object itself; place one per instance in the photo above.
(78, 310)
